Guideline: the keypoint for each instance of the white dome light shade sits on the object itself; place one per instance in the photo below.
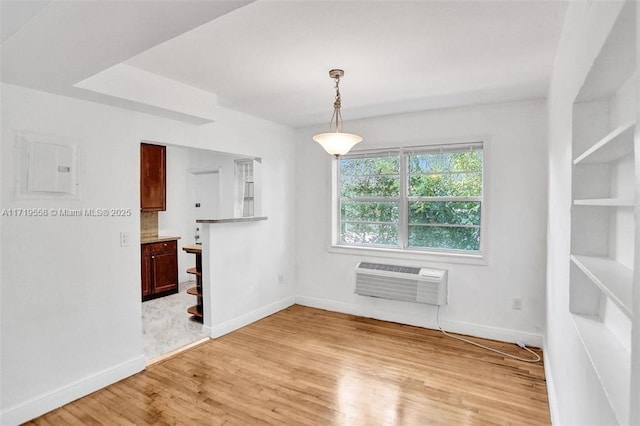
(337, 143)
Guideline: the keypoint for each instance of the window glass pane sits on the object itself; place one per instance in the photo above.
(370, 197)
(368, 233)
(375, 186)
(464, 161)
(446, 185)
(366, 211)
(444, 237)
(369, 166)
(446, 212)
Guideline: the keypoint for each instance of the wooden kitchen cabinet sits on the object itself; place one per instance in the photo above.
(159, 269)
(153, 177)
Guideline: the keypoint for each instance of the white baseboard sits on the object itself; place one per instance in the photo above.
(493, 333)
(246, 319)
(50, 401)
(483, 331)
(329, 305)
(551, 390)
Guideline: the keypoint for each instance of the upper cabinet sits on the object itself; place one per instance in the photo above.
(153, 177)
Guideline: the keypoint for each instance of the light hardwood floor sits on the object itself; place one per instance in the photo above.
(312, 367)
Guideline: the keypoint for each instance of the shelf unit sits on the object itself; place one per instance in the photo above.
(603, 243)
(612, 278)
(612, 361)
(601, 286)
(605, 202)
(197, 310)
(614, 146)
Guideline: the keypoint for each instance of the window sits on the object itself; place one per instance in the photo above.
(424, 198)
(244, 188)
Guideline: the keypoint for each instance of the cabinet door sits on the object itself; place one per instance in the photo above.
(146, 275)
(165, 271)
(153, 196)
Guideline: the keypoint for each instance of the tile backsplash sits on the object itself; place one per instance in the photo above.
(148, 224)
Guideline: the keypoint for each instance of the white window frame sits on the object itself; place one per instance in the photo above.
(404, 251)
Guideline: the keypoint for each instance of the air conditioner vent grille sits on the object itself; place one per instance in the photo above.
(390, 268)
(406, 283)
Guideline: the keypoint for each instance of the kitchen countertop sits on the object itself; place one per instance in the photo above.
(233, 219)
(157, 239)
(193, 248)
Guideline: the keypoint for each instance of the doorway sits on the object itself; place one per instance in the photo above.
(207, 196)
(195, 177)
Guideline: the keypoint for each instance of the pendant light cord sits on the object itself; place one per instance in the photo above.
(337, 104)
(522, 345)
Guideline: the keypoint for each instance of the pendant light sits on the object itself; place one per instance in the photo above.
(335, 142)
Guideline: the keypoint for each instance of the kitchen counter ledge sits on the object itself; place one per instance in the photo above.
(233, 219)
(157, 239)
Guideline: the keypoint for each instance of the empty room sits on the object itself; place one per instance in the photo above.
(331, 212)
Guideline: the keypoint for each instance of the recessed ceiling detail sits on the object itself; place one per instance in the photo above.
(430, 54)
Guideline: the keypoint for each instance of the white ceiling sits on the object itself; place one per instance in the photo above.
(270, 58)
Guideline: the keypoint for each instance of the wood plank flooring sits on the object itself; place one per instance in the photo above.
(312, 367)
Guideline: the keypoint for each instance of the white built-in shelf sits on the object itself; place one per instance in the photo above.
(605, 202)
(613, 278)
(611, 362)
(616, 145)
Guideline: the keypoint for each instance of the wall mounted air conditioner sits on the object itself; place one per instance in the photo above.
(410, 284)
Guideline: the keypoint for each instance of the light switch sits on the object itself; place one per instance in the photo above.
(124, 239)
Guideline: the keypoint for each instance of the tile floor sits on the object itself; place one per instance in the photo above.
(166, 325)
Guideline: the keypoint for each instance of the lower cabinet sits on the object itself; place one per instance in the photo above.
(159, 269)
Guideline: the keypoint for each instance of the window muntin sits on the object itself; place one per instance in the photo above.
(427, 198)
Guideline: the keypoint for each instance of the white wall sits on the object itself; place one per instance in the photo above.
(225, 163)
(479, 295)
(248, 267)
(574, 391)
(249, 280)
(70, 294)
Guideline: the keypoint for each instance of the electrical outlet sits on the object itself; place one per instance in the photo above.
(124, 239)
(280, 279)
(516, 303)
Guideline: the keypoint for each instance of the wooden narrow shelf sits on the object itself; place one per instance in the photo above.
(613, 278)
(193, 310)
(605, 202)
(196, 310)
(193, 271)
(194, 291)
(617, 144)
(194, 248)
(610, 360)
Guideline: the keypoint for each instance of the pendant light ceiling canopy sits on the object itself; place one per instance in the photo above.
(335, 142)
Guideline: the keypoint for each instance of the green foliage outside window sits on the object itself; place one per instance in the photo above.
(449, 174)
(369, 234)
(445, 212)
(369, 211)
(443, 200)
(444, 237)
(370, 177)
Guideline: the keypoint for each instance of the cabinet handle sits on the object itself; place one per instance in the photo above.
(153, 257)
